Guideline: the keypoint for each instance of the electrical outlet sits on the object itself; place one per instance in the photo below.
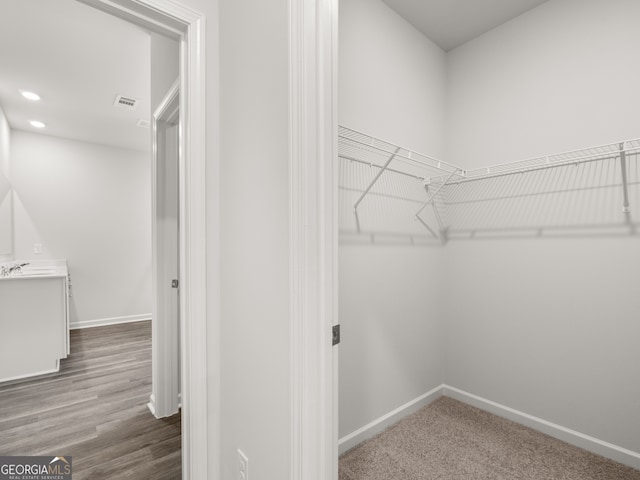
(37, 248)
(243, 466)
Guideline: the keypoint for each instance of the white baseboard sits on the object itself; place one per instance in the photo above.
(34, 374)
(351, 440)
(152, 406)
(591, 444)
(101, 322)
(586, 442)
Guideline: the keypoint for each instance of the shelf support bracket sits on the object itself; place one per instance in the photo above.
(625, 191)
(435, 211)
(376, 178)
(433, 196)
(428, 227)
(441, 226)
(430, 201)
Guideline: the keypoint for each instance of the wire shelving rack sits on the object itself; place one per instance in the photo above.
(395, 182)
(388, 189)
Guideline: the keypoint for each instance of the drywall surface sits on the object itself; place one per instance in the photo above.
(254, 256)
(391, 85)
(5, 146)
(246, 109)
(562, 76)
(6, 208)
(165, 67)
(390, 314)
(392, 80)
(547, 326)
(89, 204)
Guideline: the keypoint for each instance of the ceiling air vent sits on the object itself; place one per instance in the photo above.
(125, 102)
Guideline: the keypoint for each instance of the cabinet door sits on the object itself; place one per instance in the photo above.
(33, 326)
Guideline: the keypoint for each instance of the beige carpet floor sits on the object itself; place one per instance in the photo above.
(449, 440)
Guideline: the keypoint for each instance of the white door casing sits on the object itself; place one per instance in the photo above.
(164, 399)
(313, 39)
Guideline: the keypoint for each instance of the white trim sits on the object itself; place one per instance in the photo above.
(164, 247)
(29, 375)
(587, 442)
(149, 14)
(378, 425)
(581, 440)
(167, 108)
(313, 237)
(102, 322)
(196, 370)
(200, 372)
(152, 404)
(329, 22)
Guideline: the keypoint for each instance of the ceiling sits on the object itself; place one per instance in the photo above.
(450, 23)
(77, 59)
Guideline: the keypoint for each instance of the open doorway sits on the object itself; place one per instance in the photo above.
(188, 27)
(185, 27)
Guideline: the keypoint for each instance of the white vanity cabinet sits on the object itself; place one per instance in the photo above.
(34, 321)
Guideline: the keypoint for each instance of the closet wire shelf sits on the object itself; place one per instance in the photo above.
(394, 181)
(389, 190)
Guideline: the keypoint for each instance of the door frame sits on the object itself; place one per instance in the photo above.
(313, 194)
(165, 388)
(188, 27)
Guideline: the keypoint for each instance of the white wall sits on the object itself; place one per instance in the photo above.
(89, 204)
(165, 66)
(246, 107)
(547, 326)
(390, 309)
(254, 267)
(6, 209)
(562, 76)
(392, 80)
(248, 264)
(391, 85)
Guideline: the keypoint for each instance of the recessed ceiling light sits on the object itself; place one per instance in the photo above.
(37, 124)
(29, 95)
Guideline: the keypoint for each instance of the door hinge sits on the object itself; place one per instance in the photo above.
(175, 283)
(336, 334)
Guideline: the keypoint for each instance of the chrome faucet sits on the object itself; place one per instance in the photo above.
(8, 271)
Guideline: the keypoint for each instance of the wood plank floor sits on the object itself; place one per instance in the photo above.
(94, 409)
